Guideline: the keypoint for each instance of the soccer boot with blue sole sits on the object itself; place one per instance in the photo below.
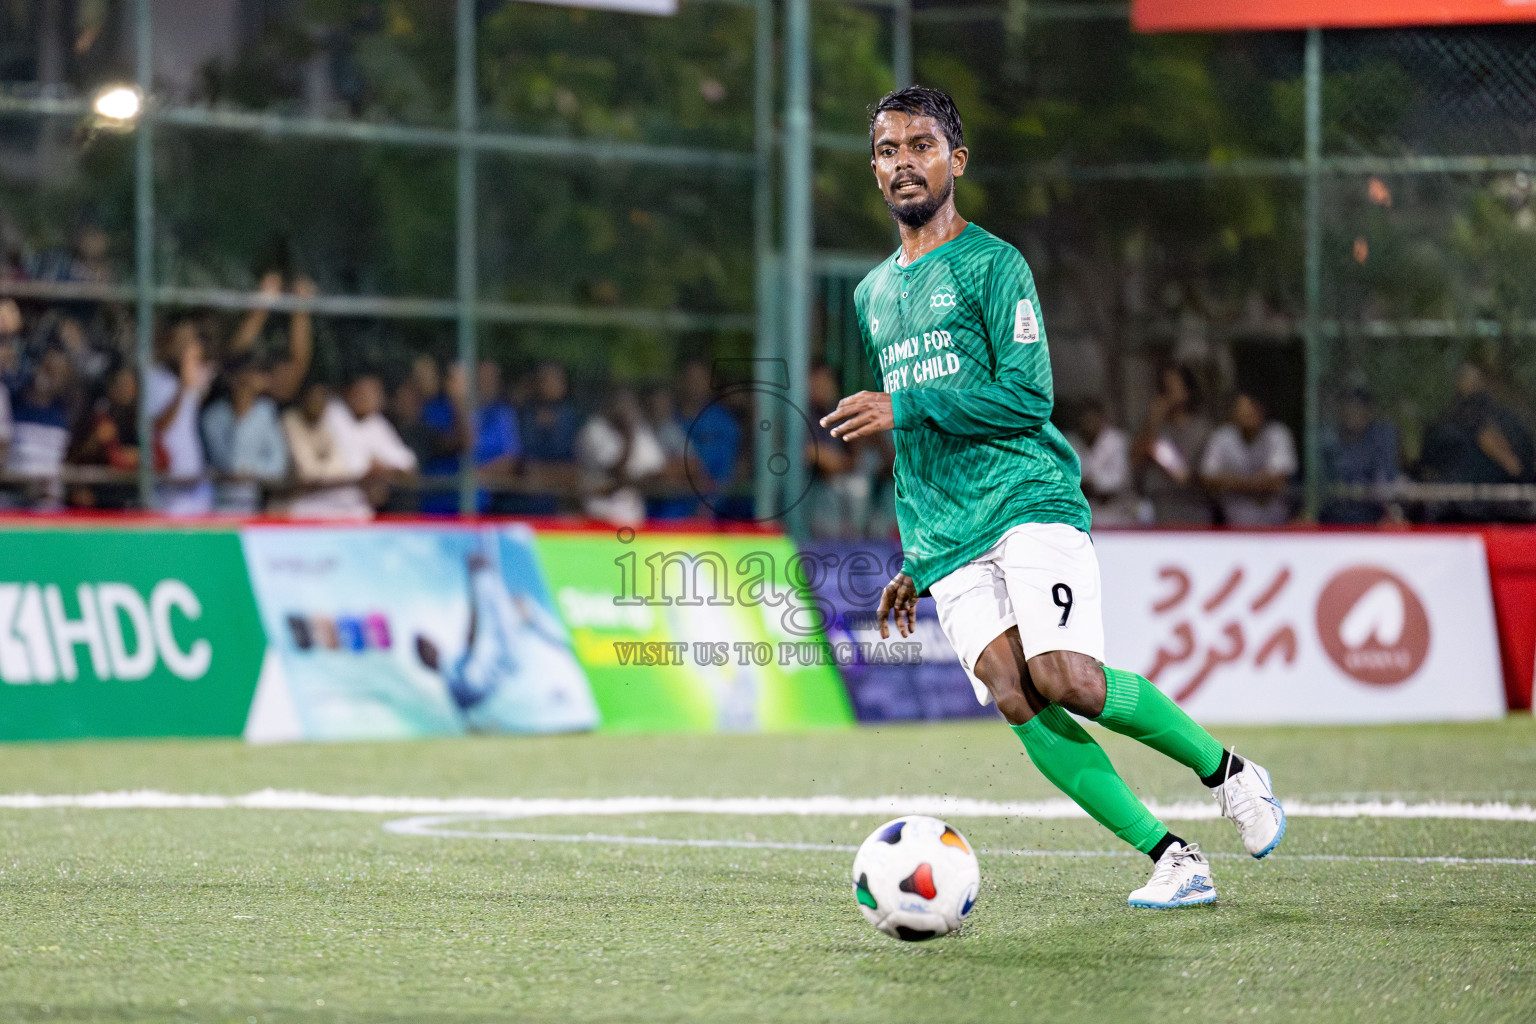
(1248, 799)
(1181, 878)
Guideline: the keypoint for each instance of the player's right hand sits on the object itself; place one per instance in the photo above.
(900, 597)
(861, 415)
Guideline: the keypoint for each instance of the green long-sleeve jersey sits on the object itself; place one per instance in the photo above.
(956, 337)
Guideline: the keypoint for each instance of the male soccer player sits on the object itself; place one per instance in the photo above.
(992, 515)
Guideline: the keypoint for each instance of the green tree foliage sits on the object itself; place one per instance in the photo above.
(1117, 258)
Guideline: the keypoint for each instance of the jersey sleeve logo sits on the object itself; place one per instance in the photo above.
(1026, 329)
(874, 326)
(941, 300)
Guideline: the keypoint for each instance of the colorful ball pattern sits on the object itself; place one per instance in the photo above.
(916, 878)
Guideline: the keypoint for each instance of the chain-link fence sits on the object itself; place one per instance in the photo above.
(1349, 238)
(481, 182)
(1337, 223)
(1429, 244)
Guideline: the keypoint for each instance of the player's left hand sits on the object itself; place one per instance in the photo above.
(860, 415)
(900, 597)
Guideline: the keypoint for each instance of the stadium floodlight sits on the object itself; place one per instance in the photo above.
(119, 103)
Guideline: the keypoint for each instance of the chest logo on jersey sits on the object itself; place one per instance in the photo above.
(941, 300)
(1026, 329)
(874, 326)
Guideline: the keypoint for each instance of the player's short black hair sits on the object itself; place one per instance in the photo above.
(921, 101)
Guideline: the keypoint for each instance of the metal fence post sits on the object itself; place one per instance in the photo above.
(901, 42)
(798, 239)
(765, 293)
(144, 242)
(465, 259)
(1313, 285)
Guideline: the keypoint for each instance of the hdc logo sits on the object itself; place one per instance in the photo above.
(38, 638)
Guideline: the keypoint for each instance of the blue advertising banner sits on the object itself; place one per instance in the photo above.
(884, 684)
(384, 632)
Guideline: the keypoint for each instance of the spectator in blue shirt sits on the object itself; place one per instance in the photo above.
(714, 436)
(498, 444)
(497, 447)
(41, 415)
(549, 425)
(1361, 450)
(550, 422)
(244, 439)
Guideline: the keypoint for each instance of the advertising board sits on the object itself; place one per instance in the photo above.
(125, 632)
(887, 680)
(1306, 628)
(384, 632)
(694, 632)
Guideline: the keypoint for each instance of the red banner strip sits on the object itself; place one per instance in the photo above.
(1229, 16)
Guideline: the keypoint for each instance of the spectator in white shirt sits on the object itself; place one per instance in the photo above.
(367, 437)
(1105, 453)
(616, 450)
(174, 392)
(318, 460)
(1247, 464)
(348, 443)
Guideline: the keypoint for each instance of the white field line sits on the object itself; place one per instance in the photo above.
(890, 806)
(434, 826)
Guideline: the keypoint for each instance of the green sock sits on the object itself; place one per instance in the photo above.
(1069, 757)
(1134, 707)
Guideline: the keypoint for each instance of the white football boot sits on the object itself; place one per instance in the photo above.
(1182, 878)
(1249, 800)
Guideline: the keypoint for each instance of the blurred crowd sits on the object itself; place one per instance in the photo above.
(243, 424)
(1185, 467)
(239, 421)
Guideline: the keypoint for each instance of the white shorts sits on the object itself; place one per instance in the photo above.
(1041, 577)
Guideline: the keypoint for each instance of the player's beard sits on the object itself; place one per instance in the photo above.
(917, 214)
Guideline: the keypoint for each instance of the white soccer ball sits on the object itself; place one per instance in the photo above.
(916, 878)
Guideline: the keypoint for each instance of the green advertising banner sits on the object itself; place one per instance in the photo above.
(125, 632)
(156, 632)
(693, 632)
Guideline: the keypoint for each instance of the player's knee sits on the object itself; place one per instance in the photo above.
(1014, 707)
(1001, 667)
(1007, 688)
(1075, 681)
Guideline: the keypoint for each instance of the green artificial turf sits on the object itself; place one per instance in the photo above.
(234, 915)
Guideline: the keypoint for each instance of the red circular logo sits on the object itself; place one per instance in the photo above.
(1373, 625)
